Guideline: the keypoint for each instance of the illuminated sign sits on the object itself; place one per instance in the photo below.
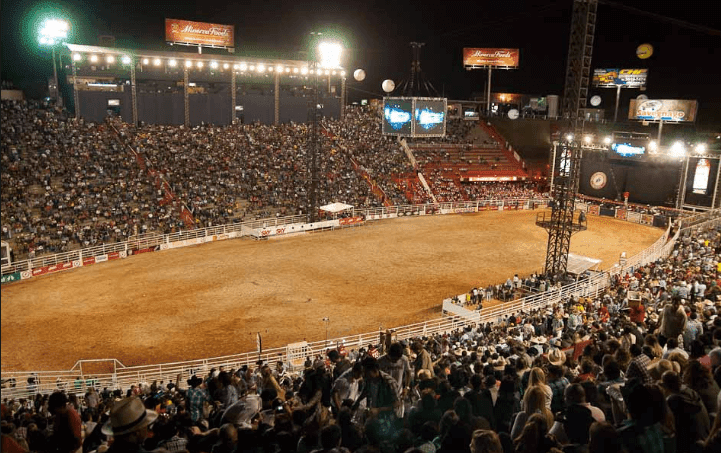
(663, 110)
(485, 57)
(414, 116)
(491, 178)
(628, 150)
(625, 78)
(397, 116)
(198, 33)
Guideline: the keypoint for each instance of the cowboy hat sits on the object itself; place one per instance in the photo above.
(128, 415)
(556, 357)
(195, 381)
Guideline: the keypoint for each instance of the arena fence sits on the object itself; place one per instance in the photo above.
(113, 374)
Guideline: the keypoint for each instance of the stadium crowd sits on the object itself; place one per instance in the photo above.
(70, 185)
(636, 369)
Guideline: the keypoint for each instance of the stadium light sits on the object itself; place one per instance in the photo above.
(243, 67)
(279, 68)
(156, 62)
(311, 71)
(700, 148)
(172, 62)
(607, 140)
(146, 61)
(295, 70)
(652, 145)
(110, 59)
(327, 72)
(588, 139)
(93, 58)
(214, 64)
(678, 149)
(251, 67)
(261, 67)
(199, 64)
(270, 69)
(236, 66)
(226, 65)
(304, 71)
(569, 137)
(287, 69)
(53, 31)
(77, 57)
(188, 63)
(329, 54)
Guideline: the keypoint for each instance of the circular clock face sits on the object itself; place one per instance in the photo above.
(598, 180)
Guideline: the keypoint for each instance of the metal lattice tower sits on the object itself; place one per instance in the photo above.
(417, 85)
(314, 151)
(578, 64)
(567, 155)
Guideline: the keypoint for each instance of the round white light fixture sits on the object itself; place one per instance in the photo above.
(700, 148)
(172, 63)
(678, 149)
(388, 85)
(588, 139)
(199, 64)
(304, 71)
(77, 57)
(214, 64)
(261, 67)
(188, 63)
(94, 58)
(569, 137)
(359, 75)
(110, 59)
(607, 140)
(146, 61)
(226, 65)
(243, 67)
(652, 145)
(156, 62)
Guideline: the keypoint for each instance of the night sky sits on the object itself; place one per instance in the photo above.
(685, 64)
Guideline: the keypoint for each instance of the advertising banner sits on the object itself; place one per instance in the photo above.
(487, 57)
(88, 260)
(647, 219)
(594, 209)
(634, 217)
(9, 278)
(621, 214)
(350, 221)
(49, 269)
(200, 33)
(625, 78)
(663, 110)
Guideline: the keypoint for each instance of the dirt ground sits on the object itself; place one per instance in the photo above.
(210, 300)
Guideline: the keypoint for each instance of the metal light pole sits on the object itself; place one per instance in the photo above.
(51, 33)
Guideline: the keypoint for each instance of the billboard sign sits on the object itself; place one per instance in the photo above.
(198, 33)
(663, 110)
(614, 77)
(486, 57)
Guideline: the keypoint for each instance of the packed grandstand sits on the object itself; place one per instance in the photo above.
(624, 360)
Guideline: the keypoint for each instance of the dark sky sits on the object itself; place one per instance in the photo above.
(685, 63)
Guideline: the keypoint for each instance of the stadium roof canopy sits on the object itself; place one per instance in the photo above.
(578, 264)
(181, 56)
(336, 207)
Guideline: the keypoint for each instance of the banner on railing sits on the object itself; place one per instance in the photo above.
(646, 219)
(146, 250)
(621, 214)
(9, 278)
(350, 221)
(50, 269)
(594, 209)
(634, 217)
(583, 207)
(88, 260)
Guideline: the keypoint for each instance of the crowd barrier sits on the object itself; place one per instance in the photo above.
(77, 379)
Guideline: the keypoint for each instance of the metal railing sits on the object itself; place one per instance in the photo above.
(77, 379)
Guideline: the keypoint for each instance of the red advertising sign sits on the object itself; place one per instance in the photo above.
(200, 33)
(350, 220)
(485, 57)
(49, 269)
(621, 214)
(594, 209)
(87, 261)
(113, 255)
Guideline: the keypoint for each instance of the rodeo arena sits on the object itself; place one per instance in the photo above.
(208, 252)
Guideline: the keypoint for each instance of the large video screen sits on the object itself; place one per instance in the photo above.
(398, 116)
(429, 117)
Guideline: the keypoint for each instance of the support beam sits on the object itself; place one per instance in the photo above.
(76, 95)
(276, 99)
(186, 98)
(133, 94)
(233, 90)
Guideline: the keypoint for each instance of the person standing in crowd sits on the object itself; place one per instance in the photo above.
(67, 427)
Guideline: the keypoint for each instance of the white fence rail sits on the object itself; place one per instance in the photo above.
(77, 379)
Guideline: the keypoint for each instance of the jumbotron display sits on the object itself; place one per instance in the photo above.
(414, 117)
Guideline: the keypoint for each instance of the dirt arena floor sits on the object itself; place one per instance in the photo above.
(210, 300)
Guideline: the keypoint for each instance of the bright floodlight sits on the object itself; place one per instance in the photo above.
(261, 67)
(652, 145)
(110, 59)
(279, 68)
(77, 57)
(200, 64)
(311, 71)
(188, 63)
(588, 139)
(329, 54)
(53, 31)
(226, 65)
(172, 63)
(607, 140)
(214, 64)
(569, 137)
(270, 69)
(94, 58)
(243, 66)
(700, 148)
(287, 69)
(678, 149)
(251, 67)
(146, 61)
(327, 72)
(295, 70)
(304, 71)
(342, 73)
(156, 62)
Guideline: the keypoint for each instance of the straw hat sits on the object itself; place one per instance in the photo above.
(128, 415)
(556, 357)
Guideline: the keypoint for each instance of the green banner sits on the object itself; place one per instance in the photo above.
(15, 276)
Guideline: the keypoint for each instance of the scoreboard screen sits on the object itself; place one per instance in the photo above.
(429, 117)
(398, 116)
(414, 117)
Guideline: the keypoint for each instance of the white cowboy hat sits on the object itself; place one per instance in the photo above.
(128, 415)
(556, 357)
